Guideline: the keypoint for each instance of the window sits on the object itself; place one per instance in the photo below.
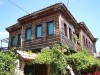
(39, 31)
(19, 39)
(84, 40)
(13, 41)
(86, 43)
(70, 34)
(89, 44)
(74, 37)
(28, 34)
(50, 27)
(65, 29)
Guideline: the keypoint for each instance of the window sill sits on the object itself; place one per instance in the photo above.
(51, 34)
(38, 37)
(27, 40)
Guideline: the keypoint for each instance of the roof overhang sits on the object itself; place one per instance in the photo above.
(26, 56)
(13, 27)
(59, 8)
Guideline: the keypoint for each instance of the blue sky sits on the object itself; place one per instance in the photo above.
(83, 10)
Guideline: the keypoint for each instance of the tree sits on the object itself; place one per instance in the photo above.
(7, 62)
(54, 57)
(82, 61)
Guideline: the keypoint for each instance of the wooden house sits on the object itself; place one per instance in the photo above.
(45, 27)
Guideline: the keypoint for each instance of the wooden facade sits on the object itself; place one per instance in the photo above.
(87, 40)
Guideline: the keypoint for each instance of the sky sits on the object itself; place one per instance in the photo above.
(82, 10)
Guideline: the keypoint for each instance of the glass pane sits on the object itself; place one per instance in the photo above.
(28, 34)
(13, 41)
(39, 31)
(51, 28)
(65, 29)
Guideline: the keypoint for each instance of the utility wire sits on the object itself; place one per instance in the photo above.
(18, 6)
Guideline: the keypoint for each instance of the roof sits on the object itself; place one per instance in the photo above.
(58, 7)
(15, 26)
(55, 6)
(26, 56)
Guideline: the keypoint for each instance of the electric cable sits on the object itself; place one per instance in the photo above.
(18, 6)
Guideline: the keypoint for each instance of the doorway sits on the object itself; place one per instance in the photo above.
(36, 69)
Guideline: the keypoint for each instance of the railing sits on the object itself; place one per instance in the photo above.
(68, 42)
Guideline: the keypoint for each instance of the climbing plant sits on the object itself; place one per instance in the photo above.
(7, 62)
(54, 57)
(58, 59)
(82, 61)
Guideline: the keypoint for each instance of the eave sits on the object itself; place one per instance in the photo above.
(59, 8)
(13, 27)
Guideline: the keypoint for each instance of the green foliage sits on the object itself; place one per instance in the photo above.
(59, 56)
(55, 57)
(45, 57)
(82, 61)
(58, 60)
(7, 63)
(78, 40)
